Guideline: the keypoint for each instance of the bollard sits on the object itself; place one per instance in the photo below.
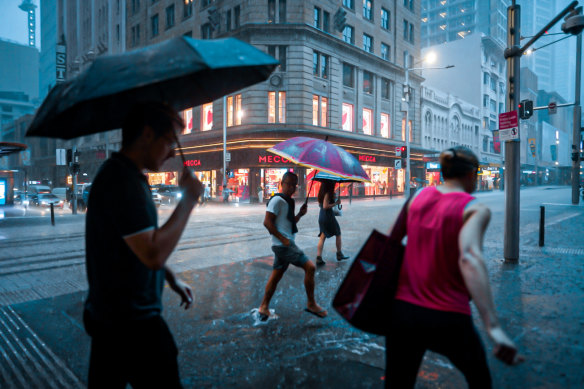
(52, 214)
(541, 225)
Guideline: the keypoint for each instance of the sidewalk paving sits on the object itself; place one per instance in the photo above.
(539, 301)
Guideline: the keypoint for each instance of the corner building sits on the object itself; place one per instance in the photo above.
(344, 82)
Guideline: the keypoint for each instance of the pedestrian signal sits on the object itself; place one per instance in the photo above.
(525, 108)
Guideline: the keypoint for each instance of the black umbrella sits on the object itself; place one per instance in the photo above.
(182, 72)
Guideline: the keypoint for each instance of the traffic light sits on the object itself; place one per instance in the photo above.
(525, 109)
(69, 156)
(404, 152)
(340, 19)
(574, 22)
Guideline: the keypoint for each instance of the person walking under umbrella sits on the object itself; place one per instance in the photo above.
(281, 221)
(443, 268)
(327, 222)
(126, 255)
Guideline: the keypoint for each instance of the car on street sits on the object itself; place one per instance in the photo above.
(157, 198)
(170, 194)
(46, 199)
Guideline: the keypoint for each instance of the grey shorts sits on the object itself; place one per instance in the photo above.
(284, 256)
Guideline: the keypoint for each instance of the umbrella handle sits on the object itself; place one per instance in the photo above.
(308, 193)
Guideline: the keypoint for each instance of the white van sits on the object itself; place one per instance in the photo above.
(37, 189)
(61, 193)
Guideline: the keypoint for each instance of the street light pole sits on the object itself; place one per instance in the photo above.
(512, 147)
(224, 139)
(576, 126)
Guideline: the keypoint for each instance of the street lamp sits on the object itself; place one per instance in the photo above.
(429, 58)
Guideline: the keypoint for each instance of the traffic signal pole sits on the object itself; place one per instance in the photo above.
(576, 126)
(512, 147)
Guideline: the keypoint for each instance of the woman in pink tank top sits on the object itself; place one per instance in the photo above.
(443, 269)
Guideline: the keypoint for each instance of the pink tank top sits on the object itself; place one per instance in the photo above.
(430, 276)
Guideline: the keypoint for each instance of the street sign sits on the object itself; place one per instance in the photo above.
(531, 142)
(398, 151)
(61, 157)
(398, 164)
(509, 126)
(552, 107)
(227, 156)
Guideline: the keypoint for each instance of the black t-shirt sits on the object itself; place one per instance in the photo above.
(121, 287)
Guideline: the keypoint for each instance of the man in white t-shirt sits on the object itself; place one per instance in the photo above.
(280, 221)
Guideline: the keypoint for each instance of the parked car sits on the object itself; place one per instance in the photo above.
(60, 193)
(46, 199)
(170, 194)
(157, 198)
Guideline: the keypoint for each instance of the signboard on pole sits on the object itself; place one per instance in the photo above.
(531, 142)
(228, 157)
(509, 126)
(61, 64)
(398, 151)
(552, 107)
(398, 164)
(61, 157)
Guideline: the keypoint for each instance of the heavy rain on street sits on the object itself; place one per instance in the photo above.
(225, 255)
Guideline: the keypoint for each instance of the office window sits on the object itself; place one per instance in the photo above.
(485, 101)
(348, 75)
(385, 126)
(367, 121)
(349, 4)
(326, 21)
(282, 11)
(406, 57)
(493, 105)
(205, 3)
(236, 14)
(187, 9)
(501, 107)
(276, 107)
(368, 9)
(367, 82)
(271, 11)
(188, 119)
(206, 31)
(207, 117)
(279, 52)
(135, 6)
(385, 19)
(319, 110)
(385, 51)
(317, 21)
(320, 64)
(154, 25)
(486, 78)
(348, 35)
(493, 84)
(412, 35)
(368, 43)
(169, 16)
(406, 30)
(228, 20)
(385, 89)
(347, 118)
(234, 110)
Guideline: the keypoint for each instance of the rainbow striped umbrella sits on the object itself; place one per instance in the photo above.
(321, 155)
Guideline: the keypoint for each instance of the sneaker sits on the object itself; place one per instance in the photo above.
(341, 256)
(319, 261)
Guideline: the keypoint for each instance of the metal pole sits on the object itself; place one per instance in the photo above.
(74, 194)
(224, 138)
(541, 226)
(406, 114)
(576, 126)
(512, 148)
(52, 214)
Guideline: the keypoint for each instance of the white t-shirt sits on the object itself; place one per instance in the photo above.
(279, 207)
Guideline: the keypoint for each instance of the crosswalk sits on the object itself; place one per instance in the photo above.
(26, 361)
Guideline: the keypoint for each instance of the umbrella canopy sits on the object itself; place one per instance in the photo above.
(182, 72)
(321, 155)
(322, 176)
(7, 148)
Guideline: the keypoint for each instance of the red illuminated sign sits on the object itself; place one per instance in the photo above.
(192, 162)
(366, 158)
(272, 159)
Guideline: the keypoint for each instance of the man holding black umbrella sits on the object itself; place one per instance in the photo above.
(126, 255)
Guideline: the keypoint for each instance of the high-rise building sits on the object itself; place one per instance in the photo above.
(445, 21)
(345, 84)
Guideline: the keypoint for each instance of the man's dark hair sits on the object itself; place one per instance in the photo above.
(457, 162)
(158, 116)
(289, 175)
